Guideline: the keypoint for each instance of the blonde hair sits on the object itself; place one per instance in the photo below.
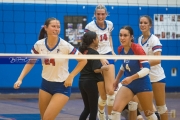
(100, 6)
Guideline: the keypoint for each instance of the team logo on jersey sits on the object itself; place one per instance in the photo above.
(147, 45)
(126, 61)
(58, 50)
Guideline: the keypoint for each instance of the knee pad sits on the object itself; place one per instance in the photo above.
(101, 102)
(162, 109)
(110, 99)
(132, 106)
(115, 115)
(152, 117)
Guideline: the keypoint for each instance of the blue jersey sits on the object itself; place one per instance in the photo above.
(131, 67)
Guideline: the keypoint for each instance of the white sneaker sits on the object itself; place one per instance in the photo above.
(101, 116)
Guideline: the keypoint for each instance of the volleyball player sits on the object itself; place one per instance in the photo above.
(91, 80)
(56, 83)
(103, 29)
(152, 46)
(136, 81)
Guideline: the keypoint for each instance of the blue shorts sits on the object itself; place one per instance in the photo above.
(139, 85)
(111, 61)
(160, 81)
(55, 87)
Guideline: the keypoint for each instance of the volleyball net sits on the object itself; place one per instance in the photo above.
(21, 21)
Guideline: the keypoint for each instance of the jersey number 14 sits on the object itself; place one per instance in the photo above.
(103, 37)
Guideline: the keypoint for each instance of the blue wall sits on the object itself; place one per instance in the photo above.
(20, 25)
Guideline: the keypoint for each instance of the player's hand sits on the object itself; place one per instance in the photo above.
(126, 81)
(17, 84)
(104, 62)
(115, 85)
(68, 81)
(105, 67)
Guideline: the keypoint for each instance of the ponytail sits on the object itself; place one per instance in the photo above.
(42, 34)
(83, 47)
(87, 40)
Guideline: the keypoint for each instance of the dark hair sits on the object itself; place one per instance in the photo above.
(87, 40)
(130, 31)
(43, 33)
(149, 19)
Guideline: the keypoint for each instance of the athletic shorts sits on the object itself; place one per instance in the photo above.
(111, 61)
(160, 81)
(55, 87)
(140, 85)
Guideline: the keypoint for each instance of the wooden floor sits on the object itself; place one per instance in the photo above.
(25, 107)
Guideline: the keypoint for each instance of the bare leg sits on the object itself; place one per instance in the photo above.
(56, 104)
(146, 101)
(109, 77)
(159, 96)
(44, 99)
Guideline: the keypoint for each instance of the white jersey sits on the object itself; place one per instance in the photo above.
(151, 46)
(103, 35)
(55, 70)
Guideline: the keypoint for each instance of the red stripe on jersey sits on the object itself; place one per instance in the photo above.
(73, 51)
(36, 52)
(138, 50)
(120, 49)
(156, 47)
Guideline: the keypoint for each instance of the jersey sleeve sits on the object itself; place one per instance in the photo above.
(138, 50)
(87, 28)
(35, 49)
(111, 27)
(72, 49)
(156, 45)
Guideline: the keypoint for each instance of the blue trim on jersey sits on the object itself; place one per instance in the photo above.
(53, 47)
(99, 27)
(146, 40)
(145, 65)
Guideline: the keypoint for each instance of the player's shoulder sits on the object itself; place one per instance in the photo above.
(41, 41)
(92, 51)
(120, 48)
(154, 37)
(137, 49)
(91, 26)
(109, 22)
(136, 46)
(91, 23)
(63, 42)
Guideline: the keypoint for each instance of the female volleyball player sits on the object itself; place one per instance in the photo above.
(91, 77)
(56, 80)
(136, 81)
(103, 29)
(152, 46)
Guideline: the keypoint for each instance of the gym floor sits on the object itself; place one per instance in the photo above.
(25, 107)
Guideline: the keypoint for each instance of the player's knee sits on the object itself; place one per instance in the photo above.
(110, 99)
(101, 102)
(162, 109)
(115, 115)
(152, 117)
(132, 106)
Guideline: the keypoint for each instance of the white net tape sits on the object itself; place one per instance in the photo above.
(117, 57)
